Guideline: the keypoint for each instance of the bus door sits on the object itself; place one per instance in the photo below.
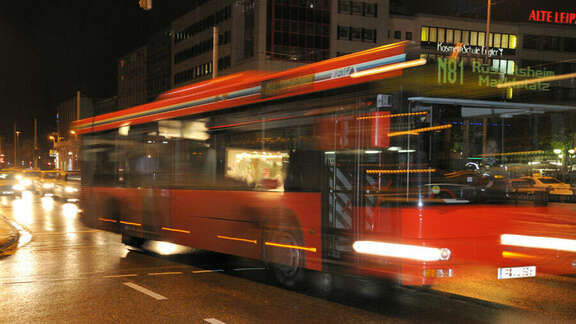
(341, 187)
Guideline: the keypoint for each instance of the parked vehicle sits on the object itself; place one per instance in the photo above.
(553, 185)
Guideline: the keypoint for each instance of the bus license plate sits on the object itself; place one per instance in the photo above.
(517, 272)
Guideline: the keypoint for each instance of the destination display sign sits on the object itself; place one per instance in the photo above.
(454, 72)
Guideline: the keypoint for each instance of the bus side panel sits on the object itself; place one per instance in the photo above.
(106, 207)
(231, 221)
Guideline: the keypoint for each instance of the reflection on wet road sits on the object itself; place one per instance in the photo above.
(65, 272)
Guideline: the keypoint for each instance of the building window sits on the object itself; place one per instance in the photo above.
(355, 33)
(409, 35)
(343, 32)
(397, 34)
(371, 9)
(369, 35)
(425, 35)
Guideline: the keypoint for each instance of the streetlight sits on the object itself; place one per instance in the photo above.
(16, 147)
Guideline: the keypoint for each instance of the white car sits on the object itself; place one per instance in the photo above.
(555, 186)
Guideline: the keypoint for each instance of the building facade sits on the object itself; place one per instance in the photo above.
(272, 35)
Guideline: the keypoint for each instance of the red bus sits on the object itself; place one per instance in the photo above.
(364, 164)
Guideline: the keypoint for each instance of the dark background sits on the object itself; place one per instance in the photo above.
(52, 48)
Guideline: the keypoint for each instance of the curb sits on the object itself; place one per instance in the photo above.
(8, 247)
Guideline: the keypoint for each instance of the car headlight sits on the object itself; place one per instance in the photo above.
(70, 189)
(18, 187)
(25, 182)
(48, 185)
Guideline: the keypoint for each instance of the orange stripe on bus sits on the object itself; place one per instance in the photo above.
(311, 249)
(130, 223)
(236, 239)
(107, 220)
(175, 230)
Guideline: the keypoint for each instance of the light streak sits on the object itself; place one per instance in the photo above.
(236, 239)
(288, 246)
(389, 68)
(175, 230)
(130, 223)
(536, 80)
(417, 131)
(393, 115)
(540, 242)
(107, 220)
(415, 252)
(401, 171)
(513, 153)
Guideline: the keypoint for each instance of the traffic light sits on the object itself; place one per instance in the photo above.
(146, 4)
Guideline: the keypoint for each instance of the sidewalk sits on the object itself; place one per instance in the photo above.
(8, 236)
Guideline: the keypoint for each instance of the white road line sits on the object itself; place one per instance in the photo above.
(122, 276)
(213, 321)
(164, 273)
(144, 290)
(248, 269)
(205, 271)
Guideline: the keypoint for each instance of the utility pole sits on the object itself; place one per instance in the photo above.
(215, 52)
(78, 105)
(487, 44)
(15, 146)
(34, 157)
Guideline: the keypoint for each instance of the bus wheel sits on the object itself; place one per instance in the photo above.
(284, 263)
(133, 241)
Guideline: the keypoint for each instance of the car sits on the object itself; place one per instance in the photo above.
(551, 184)
(44, 186)
(10, 184)
(68, 187)
(29, 177)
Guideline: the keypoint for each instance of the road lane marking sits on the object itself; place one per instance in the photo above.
(164, 273)
(248, 269)
(213, 321)
(144, 290)
(122, 276)
(205, 271)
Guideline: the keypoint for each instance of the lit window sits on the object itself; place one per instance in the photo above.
(512, 41)
(497, 40)
(425, 34)
(465, 37)
(481, 38)
(432, 34)
(511, 67)
(473, 38)
(441, 35)
(457, 36)
(504, 41)
(450, 36)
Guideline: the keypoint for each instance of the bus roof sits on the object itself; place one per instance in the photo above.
(256, 86)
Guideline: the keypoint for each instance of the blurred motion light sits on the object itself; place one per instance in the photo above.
(557, 151)
(389, 68)
(414, 252)
(540, 242)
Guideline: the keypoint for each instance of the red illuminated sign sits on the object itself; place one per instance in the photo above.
(557, 17)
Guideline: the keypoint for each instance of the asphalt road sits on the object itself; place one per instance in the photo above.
(64, 272)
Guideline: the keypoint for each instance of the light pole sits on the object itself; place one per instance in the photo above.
(16, 148)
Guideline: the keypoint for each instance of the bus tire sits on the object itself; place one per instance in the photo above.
(285, 265)
(133, 241)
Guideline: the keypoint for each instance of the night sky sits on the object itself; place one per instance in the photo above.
(52, 48)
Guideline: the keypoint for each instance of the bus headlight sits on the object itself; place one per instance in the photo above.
(393, 250)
